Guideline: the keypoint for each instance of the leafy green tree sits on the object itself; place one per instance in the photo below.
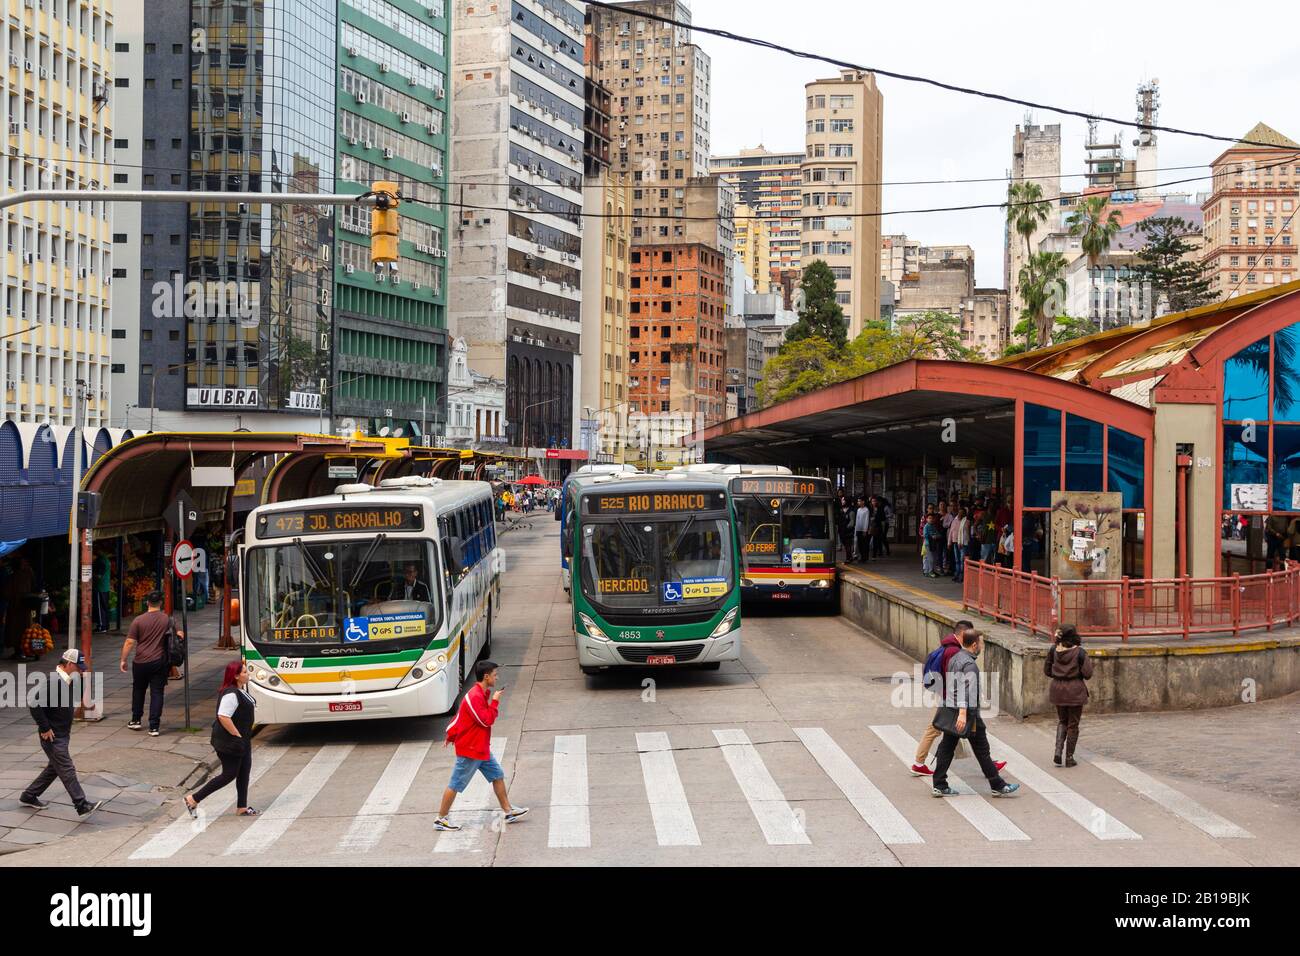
(1027, 210)
(821, 316)
(801, 366)
(1068, 328)
(1168, 263)
(923, 335)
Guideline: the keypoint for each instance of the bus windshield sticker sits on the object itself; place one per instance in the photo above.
(384, 627)
(801, 557)
(704, 587)
(672, 591)
(333, 520)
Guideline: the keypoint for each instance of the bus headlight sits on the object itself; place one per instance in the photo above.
(821, 583)
(727, 623)
(590, 627)
(746, 583)
(260, 676)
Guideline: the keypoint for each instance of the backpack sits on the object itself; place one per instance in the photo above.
(175, 647)
(932, 672)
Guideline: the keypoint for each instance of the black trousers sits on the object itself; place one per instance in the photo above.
(1067, 732)
(979, 744)
(864, 546)
(234, 767)
(59, 767)
(153, 678)
(879, 542)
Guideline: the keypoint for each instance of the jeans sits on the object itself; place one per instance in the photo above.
(988, 552)
(927, 561)
(463, 772)
(152, 677)
(979, 745)
(60, 767)
(958, 561)
(234, 767)
(1067, 728)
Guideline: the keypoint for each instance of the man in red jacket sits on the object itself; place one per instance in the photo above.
(471, 732)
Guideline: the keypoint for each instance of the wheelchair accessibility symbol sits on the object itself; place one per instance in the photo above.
(672, 591)
(356, 630)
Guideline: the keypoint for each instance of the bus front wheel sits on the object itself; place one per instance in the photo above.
(487, 635)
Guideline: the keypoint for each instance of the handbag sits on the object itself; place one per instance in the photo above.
(175, 647)
(945, 719)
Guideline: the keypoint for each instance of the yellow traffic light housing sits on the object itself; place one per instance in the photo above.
(385, 226)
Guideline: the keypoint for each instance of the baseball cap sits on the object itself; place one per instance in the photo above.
(73, 656)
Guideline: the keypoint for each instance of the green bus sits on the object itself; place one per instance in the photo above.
(654, 567)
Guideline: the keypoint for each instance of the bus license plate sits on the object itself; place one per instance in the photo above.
(781, 596)
(345, 707)
(661, 659)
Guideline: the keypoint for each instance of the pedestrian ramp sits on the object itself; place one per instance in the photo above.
(321, 785)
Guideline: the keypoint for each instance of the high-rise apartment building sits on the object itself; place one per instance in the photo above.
(754, 247)
(677, 348)
(771, 185)
(660, 86)
(234, 305)
(1250, 218)
(900, 257)
(841, 189)
(392, 346)
(1036, 158)
(517, 144)
(606, 250)
(58, 115)
(985, 325)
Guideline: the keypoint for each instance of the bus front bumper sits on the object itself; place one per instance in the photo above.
(596, 653)
(434, 695)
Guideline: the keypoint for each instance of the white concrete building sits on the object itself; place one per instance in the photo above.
(476, 404)
(57, 118)
(517, 143)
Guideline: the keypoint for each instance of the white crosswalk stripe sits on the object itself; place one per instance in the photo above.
(291, 802)
(472, 811)
(372, 821)
(674, 823)
(1177, 803)
(988, 820)
(1074, 805)
(570, 814)
(778, 821)
(872, 805)
(177, 834)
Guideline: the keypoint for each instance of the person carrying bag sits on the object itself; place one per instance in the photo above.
(1070, 669)
(232, 739)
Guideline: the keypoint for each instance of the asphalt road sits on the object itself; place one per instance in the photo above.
(792, 756)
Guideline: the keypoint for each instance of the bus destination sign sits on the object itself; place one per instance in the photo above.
(779, 487)
(656, 502)
(309, 521)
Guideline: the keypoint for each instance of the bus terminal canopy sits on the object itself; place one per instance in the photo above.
(915, 408)
(140, 477)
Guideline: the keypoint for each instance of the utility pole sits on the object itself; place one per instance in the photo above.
(74, 538)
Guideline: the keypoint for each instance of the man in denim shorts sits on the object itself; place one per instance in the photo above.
(471, 732)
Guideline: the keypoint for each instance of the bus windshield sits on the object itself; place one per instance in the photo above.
(638, 562)
(794, 527)
(379, 593)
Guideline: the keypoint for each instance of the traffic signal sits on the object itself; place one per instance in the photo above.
(385, 227)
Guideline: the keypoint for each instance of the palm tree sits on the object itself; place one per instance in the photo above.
(1026, 211)
(1041, 289)
(1095, 228)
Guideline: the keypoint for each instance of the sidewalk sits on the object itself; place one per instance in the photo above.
(129, 770)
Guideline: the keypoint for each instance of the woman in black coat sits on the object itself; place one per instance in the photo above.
(1070, 669)
(232, 739)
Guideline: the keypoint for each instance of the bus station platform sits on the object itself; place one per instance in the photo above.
(892, 600)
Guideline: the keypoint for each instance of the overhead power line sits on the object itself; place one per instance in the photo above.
(913, 78)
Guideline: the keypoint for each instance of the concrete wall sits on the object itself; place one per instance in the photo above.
(1140, 676)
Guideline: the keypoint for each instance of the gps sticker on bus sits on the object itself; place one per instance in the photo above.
(704, 587)
(382, 627)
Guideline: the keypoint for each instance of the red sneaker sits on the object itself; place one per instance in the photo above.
(921, 770)
(999, 764)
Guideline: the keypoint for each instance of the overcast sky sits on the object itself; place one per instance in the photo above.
(1038, 51)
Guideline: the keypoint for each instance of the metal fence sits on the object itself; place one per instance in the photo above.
(1135, 607)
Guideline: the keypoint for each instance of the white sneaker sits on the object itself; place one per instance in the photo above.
(515, 813)
(442, 823)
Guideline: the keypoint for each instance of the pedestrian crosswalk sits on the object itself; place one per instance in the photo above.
(780, 791)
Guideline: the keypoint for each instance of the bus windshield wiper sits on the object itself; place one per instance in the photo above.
(633, 541)
(310, 561)
(365, 561)
(680, 538)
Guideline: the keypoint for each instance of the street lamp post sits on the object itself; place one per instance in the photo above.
(527, 409)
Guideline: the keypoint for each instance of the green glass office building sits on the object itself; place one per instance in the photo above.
(391, 341)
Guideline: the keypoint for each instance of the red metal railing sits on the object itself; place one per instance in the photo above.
(1135, 607)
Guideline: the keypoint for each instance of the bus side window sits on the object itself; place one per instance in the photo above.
(489, 527)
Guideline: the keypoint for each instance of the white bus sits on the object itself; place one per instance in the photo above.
(371, 602)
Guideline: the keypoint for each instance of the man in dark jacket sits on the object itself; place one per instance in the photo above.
(52, 709)
(962, 691)
(951, 644)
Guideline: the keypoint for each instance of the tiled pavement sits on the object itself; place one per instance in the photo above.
(132, 772)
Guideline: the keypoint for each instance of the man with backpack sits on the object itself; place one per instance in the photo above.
(471, 732)
(959, 718)
(157, 644)
(932, 675)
